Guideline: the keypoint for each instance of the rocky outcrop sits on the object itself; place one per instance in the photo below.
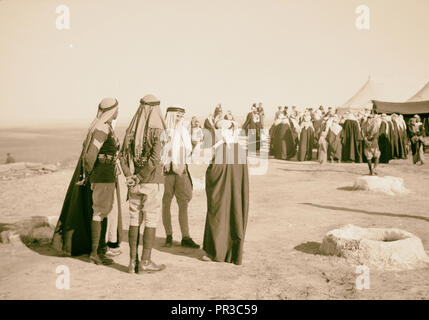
(18, 170)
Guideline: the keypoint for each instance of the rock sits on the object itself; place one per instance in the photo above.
(50, 167)
(41, 235)
(34, 165)
(386, 185)
(12, 166)
(385, 249)
(9, 236)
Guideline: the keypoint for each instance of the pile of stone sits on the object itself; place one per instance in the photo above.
(19, 170)
(381, 248)
(387, 185)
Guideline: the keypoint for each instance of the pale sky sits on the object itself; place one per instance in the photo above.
(198, 53)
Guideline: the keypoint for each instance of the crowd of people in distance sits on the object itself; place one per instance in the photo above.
(350, 137)
(345, 138)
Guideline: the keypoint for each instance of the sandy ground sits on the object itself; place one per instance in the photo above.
(291, 208)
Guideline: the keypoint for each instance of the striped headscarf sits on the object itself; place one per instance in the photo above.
(107, 110)
(148, 116)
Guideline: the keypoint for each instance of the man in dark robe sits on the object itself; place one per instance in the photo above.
(400, 147)
(306, 141)
(392, 136)
(334, 140)
(384, 141)
(351, 141)
(280, 140)
(273, 132)
(81, 228)
(227, 189)
(209, 128)
(416, 133)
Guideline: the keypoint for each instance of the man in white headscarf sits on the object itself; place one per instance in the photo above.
(177, 179)
(142, 167)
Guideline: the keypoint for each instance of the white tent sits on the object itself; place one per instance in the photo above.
(371, 90)
(421, 95)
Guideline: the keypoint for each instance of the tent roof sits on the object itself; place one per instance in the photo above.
(362, 99)
(422, 94)
(412, 107)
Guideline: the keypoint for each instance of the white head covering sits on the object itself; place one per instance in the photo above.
(178, 147)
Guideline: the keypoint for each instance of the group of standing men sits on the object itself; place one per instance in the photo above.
(154, 159)
(352, 137)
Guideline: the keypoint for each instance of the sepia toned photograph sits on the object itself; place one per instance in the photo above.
(195, 150)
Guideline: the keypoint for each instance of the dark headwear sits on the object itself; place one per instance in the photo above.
(148, 116)
(150, 100)
(176, 109)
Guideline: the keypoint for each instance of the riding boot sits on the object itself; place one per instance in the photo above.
(146, 265)
(133, 234)
(95, 239)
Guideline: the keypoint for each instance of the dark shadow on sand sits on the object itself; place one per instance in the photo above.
(395, 215)
(47, 250)
(309, 248)
(178, 250)
(317, 170)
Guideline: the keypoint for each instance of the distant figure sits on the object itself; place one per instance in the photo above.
(278, 113)
(322, 151)
(261, 112)
(9, 159)
(416, 134)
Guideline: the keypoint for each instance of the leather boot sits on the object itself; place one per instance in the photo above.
(95, 239)
(146, 265)
(133, 235)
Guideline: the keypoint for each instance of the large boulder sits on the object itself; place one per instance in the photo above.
(386, 249)
(34, 230)
(386, 185)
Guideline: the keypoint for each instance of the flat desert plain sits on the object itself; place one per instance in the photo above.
(292, 207)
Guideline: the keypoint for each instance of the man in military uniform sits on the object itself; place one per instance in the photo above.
(100, 165)
(370, 130)
(90, 195)
(141, 164)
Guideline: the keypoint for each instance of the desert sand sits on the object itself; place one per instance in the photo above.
(292, 207)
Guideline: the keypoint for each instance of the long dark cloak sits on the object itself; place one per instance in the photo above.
(306, 142)
(290, 137)
(384, 144)
(227, 190)
(280, 147)
(351, 139)
(391, 138)
(73, 231)
(334, 145)
(396, 153)
(273, 131)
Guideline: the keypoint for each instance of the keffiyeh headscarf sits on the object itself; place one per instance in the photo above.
(148, 116)
(107, 109)
(178, 145)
